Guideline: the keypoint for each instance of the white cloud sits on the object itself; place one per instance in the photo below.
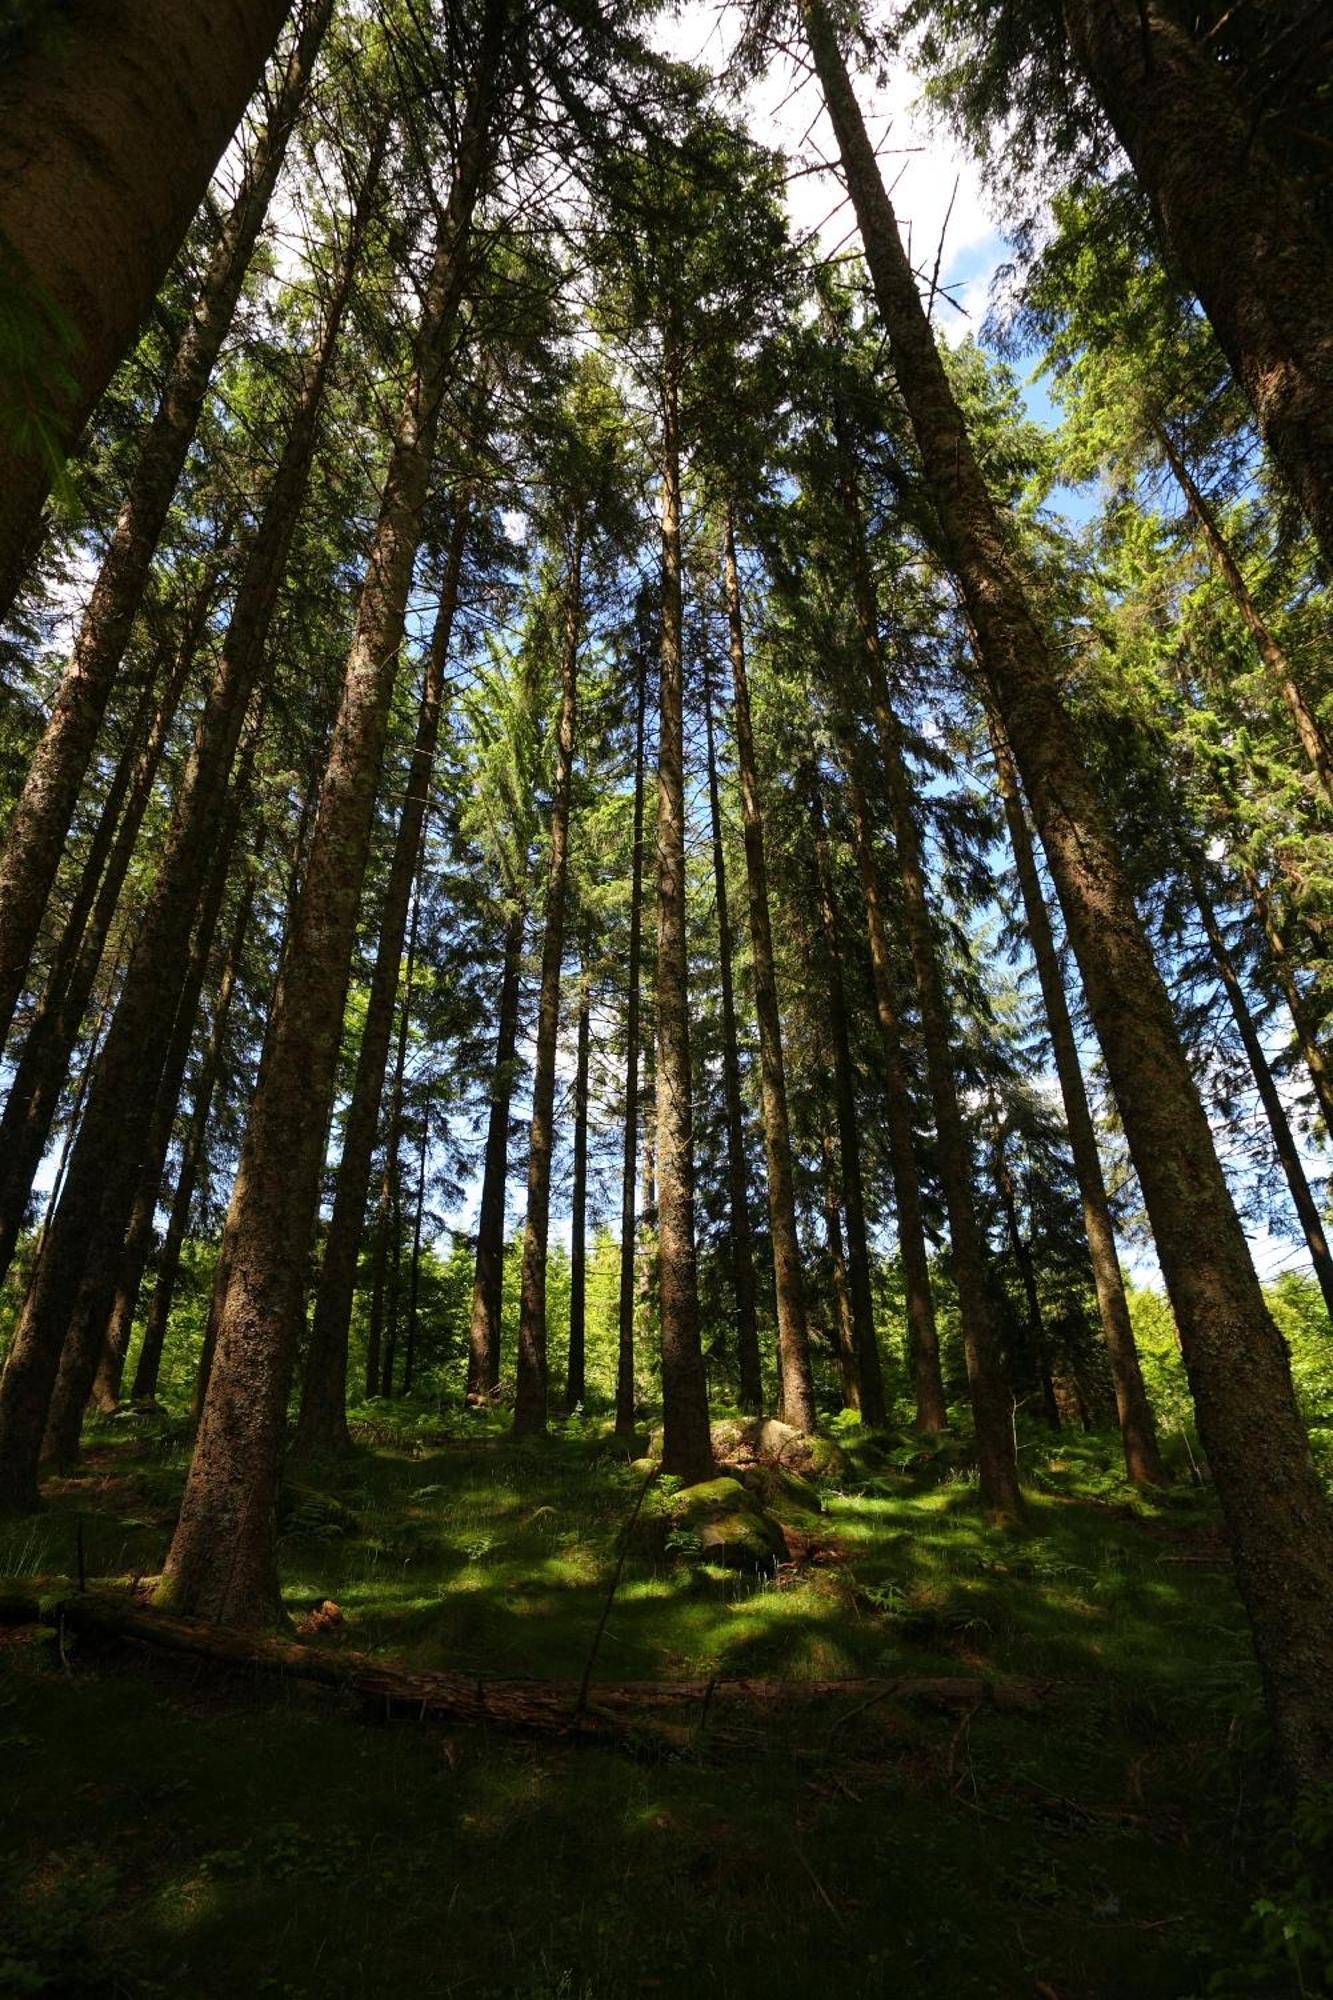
(929, 178)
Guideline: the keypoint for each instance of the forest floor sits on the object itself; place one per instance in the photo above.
(167, 1828)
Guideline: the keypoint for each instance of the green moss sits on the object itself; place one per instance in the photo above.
(1096, 1849)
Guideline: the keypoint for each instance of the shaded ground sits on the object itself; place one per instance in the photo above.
(168, 1830)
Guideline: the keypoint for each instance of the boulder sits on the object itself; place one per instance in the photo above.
(732, 1529)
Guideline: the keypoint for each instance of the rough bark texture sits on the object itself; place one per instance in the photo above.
(111, 123)
(483, 1365)
(797, 1394)
(742, 1238)
(222, 1562)
(688, 1448)
(144, 1386)
(40, 821)
(992, 1419)
(530, 1399)
(124, 1229)
(923, 1342)
(1244, 239)
(625, 1402)
(1240, 1374)
(1021, 1251)
(120, 1106)
(1313, 1053)
(871, 1402)
(414, 1276)
(1304, 720)
(844, 1324)
(576, 1373)
(1138, 1433)
(322, 1426)
(53, 1033)
(1279, 1125)
(390, 1265)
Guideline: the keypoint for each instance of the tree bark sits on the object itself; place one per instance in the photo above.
(1027, 1275)
(1143, 1462)
(322, 1425)
(1304, 720)
(124, 1229)
(871, 1402)
(688, 1447)
(844, 1321)
(414, 1276)
(148, 1366)
(742, 1243)
(530, 1399)
(797, 1393)
(40, 822)
(222, 1562)
(1240, 1374)
(992, 1419)
(923, 1342)
(1279, 1125)
(111, 123)
(1244, 239)
(393, 1164)
(625, 1399)
(53, 1033)
(483, 1368)
(576, 1373)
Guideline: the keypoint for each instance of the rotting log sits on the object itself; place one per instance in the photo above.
(618, 1712)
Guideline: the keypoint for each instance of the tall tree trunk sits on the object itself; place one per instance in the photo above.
(923, 1342)
(40, 822)
(322, 1425)
(1313, 1054)
(530, 1397)
(379, 1257)
(53, 1033)
(742, 1244)
(483, 1367)
(1306, 723)
(148, 1366)
(1143, 1461)
(625, 1401)
(1245, 240)
(688, 1446)
(576, 1373)
(393, 1144)
(996, 1455)
(1240, 1374)
(139, 1236)
(414, 1275)
(1027, 1275)
(1279, 1125)
(796, 1383)
(124, 1229)
(871, 1404)
(845, 1321)
(121, 1103)
(223, 1560)
(111, 122)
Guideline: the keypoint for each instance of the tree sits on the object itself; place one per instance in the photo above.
(109, 131)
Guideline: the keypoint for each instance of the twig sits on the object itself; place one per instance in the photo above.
(581, 1705)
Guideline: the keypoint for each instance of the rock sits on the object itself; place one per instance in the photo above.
(732, 1528)
(780, 1493)
(641, 1467)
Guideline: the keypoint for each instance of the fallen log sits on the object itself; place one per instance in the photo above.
(619, 1712)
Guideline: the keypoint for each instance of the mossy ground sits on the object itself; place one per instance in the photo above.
(170, 1831)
